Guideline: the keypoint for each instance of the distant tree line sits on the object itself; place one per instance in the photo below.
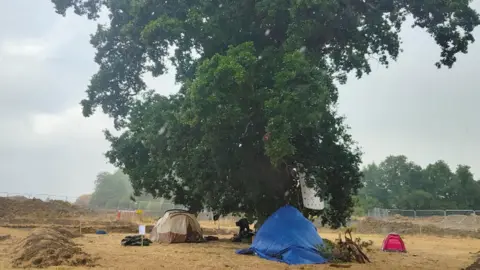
(399, 183)
(114, 191)
(394, 183)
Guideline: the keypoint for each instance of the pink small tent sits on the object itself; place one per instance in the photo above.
(393, 242)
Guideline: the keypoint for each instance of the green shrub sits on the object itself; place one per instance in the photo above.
(326, 250)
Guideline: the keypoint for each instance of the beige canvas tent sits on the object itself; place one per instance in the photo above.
(177, 226)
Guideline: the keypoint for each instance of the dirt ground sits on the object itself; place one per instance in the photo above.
(424, 252)
(405, 226)
(11, 208)
(455, 222)
(440, 249)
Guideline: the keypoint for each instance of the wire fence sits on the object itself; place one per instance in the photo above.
(458, 219)
(153, 209)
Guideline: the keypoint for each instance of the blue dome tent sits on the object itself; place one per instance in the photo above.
(287, 236)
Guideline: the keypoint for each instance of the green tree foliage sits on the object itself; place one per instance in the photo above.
(111, 190)
(398, 183)
(363, 203)
(114, 190)
(247, 70)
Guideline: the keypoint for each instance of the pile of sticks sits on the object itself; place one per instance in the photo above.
(350, 250)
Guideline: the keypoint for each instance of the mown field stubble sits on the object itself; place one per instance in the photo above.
(424, 251)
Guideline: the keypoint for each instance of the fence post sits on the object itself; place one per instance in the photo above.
(444, 219)
(414, 214)
(476, 220)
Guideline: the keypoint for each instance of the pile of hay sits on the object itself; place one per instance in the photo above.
(345, 251)
(475, 265)
(49, 247)
(67, 233)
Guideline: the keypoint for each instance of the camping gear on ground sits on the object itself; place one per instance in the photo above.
(135, 240)
(177, 226)
(393, 243)
(244, 232)
(211, 238)
(100, 232)
(287, 236)
(244, 237)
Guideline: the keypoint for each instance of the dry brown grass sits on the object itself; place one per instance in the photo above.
(424, 252)
(223, 224)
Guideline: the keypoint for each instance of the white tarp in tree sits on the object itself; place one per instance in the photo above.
(310, 199)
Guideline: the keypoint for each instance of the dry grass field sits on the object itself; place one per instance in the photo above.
(424, 252)
(17, 220)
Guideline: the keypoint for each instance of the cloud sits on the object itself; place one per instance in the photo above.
(415, 109)
(22, 48)
(48, 147)
(69, 123)
(56, 154)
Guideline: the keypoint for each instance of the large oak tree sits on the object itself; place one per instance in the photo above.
(257, 99)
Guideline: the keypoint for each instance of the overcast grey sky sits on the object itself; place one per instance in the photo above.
(48, 147)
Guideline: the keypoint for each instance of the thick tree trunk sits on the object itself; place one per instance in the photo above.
(277, 183)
